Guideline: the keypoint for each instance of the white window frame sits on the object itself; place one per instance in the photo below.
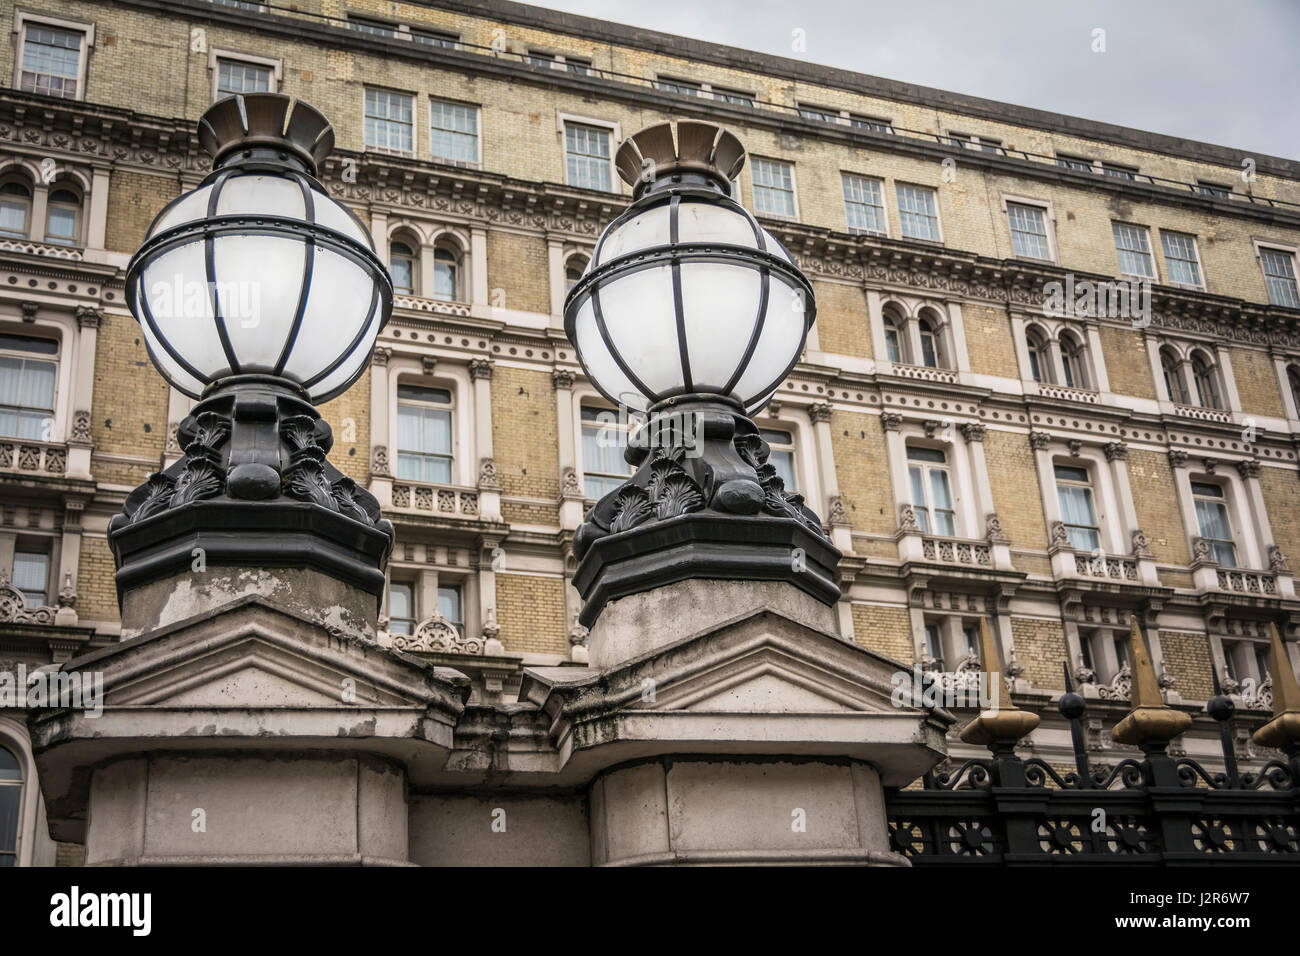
(928, 506)
(1049, 224)
(611, 426)
(1091, 485)
(1150, 250)
(60, 374)
(478, 132)
(22, 18)
(938, 216)
(454, 414)
(1286, 249)
(415, 125)
(215, 54)
(884, 203)
(563, 119)
(1224, 501)
(1196, 259)
(794, 188)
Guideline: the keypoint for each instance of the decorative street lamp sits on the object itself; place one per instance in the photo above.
(693, 314)
(260, 295)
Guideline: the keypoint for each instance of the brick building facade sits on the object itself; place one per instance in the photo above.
(974, 450)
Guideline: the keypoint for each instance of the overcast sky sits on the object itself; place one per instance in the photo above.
(1212, 70)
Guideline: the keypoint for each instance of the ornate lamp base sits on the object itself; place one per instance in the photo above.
(704, 502)
(253, 489)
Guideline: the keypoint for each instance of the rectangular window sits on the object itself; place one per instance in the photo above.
(1212, 520)
(1029, 231)
(984, 144)
(1119, 172)
(604, 440)
(773, 188)
(1213, 189)
(558, 62)
(781, 455)
(235, 76)
(685, 87)
(401, 608)
(934, 644)
(373, 27)
(586, 156)
(970, 632)
(51, 63)
(26, 387)
(918, 212)
(1133, 244)
(733, 96)
(1074, 493)
(1075, 162)
(453, 131)
(31, 576)
(390, 120)
(820, 115)
(435, 38)
(449, 606)
(864, 204)
(927, 473)
(873, 123)
(1279, 276)
(1181, 260)
(424, 434)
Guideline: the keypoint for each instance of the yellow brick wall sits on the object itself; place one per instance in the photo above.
(988, 341)
(865, 485)
(530, 612)
(1127, 365)
(1257, 382)
(842, 324)
(523, 434)
(129, 413)
(1040, 646)
(1151, 480)
(96, 592)
(1281, 488)
(1188, 659)
(1013, 477)
(885, 630)
(349, 418)
(134, 199)
(518, 266)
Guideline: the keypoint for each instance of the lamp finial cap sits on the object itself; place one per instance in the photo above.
(687, 146)
(266, 121)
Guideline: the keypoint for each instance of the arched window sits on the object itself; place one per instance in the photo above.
(573, 270)
(15, 209)
(446, 273)
(930, 353)
(11, 802)
(1040, 356)
(401, 265)
(1203, 375)
(63, 218)
(1072, 363)
(893, 339)
(1170, 366)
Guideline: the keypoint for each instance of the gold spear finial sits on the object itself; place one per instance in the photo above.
(1149, 717)
(1284, 728)
(1002, 722)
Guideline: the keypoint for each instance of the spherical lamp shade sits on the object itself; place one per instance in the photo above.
(687, 294)
(259, 271)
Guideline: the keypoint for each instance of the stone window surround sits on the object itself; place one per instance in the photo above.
(1111, 498)
(563, 119)
(1049, 215)
(1196, 249)
(275, 64)
(478, 135)
(414, 151)
(938, 211)
(14, 737)
(952, 636)
(1244, 497)
(884, 195)
(1220, 368)
(794, 187)
(409, 369)
(426, 237)
(90, 184)
(86, 28)
(560, 254)
(425, 578)
(1087, 333)
(951, 330)
(1289, 248)
(967, 474)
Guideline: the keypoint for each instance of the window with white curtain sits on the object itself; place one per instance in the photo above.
(63, 218)
(927, 472)
(1213, 523)
(1078, 511)
(27, 386)
(449, 605)
(401, 608)
(424, 437)
(15, 209)
(32, 575)
(446, 274)
(401, 266)
(781, 456)
(604, 440)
